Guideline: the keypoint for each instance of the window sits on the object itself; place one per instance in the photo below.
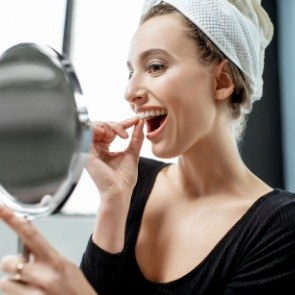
(101, 34)
(37, 21)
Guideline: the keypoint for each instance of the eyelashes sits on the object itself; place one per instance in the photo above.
(130, 75)
(154, 69)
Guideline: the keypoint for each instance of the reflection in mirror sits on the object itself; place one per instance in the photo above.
(44, 129)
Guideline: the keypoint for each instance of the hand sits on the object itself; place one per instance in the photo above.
(48, 273)
(115, 174)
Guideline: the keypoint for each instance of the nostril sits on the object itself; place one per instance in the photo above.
(137, 99)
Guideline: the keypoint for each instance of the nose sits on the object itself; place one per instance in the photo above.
(136, 92)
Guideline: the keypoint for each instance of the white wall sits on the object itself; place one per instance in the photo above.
(38, 21)
(102, 32)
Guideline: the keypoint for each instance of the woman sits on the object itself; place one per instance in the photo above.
(203, 225)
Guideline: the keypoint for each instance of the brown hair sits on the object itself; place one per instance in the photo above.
(240, 103)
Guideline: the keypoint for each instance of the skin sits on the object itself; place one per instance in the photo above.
(194, 202)
(210, 188)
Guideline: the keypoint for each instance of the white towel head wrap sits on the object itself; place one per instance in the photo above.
(241, 29)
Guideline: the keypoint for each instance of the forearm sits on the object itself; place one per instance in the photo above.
(109, 230)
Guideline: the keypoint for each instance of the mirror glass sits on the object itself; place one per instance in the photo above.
(45, 131)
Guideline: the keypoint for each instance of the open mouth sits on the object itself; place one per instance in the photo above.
(155, 123)
(153, 119)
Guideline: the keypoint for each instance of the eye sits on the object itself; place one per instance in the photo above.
(156, 68)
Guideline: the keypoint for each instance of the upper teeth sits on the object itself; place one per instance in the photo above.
(148, 114)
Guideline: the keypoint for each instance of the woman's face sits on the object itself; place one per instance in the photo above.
(169, 86)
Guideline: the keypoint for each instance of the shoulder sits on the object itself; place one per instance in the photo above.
(283, 196)
(266, 253)
(284, 211)
(273, 212)
(149, 163)
(148, 170)
(279, 204)
(272, 222)
(149, 167)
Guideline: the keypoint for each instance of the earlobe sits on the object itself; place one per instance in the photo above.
(224, 85)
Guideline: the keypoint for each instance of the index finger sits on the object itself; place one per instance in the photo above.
(129, 122)
(35, 242)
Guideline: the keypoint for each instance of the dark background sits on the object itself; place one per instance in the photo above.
(261, 148)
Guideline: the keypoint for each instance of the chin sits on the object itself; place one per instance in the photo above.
(164, 152)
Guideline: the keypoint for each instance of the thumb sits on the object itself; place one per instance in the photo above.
(136, 141)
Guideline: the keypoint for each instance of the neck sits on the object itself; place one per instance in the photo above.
(214, 165)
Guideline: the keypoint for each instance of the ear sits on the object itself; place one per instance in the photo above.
(223, 82)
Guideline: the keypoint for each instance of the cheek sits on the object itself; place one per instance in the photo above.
(191, 94)
(181, 84)
(188, 97)
(193, 109)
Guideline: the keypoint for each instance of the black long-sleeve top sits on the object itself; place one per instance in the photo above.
(256, 256)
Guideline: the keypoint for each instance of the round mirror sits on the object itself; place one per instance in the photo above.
(45, 131)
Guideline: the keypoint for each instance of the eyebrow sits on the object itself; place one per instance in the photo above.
(151, 52)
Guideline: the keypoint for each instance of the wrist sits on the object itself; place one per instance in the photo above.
(114, 203)
(109, 231)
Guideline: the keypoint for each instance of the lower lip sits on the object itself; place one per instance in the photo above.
(153, 134)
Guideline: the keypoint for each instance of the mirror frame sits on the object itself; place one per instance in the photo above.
(80, 154)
